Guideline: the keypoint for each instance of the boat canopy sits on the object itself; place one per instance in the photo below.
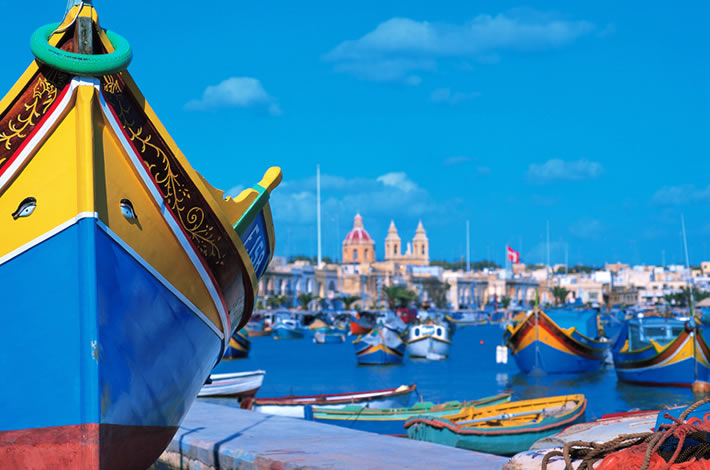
(584, 321)
(660, 330)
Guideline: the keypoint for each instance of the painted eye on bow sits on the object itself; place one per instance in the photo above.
(26, 208)
(127, 210)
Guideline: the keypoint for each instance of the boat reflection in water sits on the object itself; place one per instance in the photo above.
(115, 247)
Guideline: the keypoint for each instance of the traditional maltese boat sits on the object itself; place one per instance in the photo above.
(239, 345)
(381, 346)
(234, 384)
(660, 351)
(391, 420)
(561, 341)
(427, 338)
(504, 429)
(117, 249)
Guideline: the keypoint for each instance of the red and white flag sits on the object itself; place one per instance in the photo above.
(513, 256)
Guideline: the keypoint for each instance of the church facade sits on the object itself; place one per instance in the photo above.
(359, 247)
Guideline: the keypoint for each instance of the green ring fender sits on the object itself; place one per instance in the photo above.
(81, 64)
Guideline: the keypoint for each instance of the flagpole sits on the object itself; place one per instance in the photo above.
(320, 257)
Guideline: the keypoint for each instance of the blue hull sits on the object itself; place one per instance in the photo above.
(125, 350)
(287, 333)
(380, 357)
(679, 374)
(552, 360)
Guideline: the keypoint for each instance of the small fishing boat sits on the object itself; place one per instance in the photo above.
(467, 318)
(429, 340)
(286, 328)
(258, 328)
(293, 406)
(117, 248)
(239, 345)
(237, 384)
(662, 351)
(361, 324)
(561, 342)
(391, 420)
(318, 325)
(381, 346)
(503, 429)
(329, 337)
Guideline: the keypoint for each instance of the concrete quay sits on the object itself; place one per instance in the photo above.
(222, 437)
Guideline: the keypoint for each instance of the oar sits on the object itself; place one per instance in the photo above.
(500, 417)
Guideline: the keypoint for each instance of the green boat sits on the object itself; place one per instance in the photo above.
(391, 420)
(504, 429)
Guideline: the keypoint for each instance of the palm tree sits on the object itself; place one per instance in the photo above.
(349, 300)
(399, 296)
(560, 294)
(305, 299)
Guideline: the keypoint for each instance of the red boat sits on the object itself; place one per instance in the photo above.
(362, 324)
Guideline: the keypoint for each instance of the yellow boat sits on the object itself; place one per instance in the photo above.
(114, 251)
(504, 429)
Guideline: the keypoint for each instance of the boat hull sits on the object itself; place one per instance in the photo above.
(380, 354)
(541, 344)
(430, 344)
(239, 346)
(328, 338)
(287, 333)
(679, 364)
(132, 358)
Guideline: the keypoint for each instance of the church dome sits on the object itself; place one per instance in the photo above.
(358, 234)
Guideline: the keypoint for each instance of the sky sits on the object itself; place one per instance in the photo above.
(592, 116)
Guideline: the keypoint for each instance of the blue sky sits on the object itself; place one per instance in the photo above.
(591, 115)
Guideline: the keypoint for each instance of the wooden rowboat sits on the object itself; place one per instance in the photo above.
(504, 429)
(294, 405)
(391, 420)
(237, 384)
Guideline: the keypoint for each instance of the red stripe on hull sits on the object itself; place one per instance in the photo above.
(85, 446)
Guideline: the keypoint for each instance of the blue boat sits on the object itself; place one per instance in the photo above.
(329, 337)
(381, 346)
(662, 351)
(239, 345)
(286, 328)
(115, 249)
(560, 341)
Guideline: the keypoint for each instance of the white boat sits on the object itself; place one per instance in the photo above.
(429, 339)
(238, 384)
(604, 429)
(293, 406)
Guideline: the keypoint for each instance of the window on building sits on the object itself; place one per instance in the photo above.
(365, 256)
(395, 249)
(354, 255)
(422, 251)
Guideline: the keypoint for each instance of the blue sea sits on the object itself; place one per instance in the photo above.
(301, 367)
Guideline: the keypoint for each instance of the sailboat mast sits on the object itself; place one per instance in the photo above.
(320, 257)
(691, 301)
(468, 247)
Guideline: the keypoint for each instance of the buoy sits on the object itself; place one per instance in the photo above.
(700, 387)
(481, 341)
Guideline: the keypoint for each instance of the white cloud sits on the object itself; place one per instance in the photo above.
(235, 191)
(398, 180)
(236, 92)
(561, 170)
(399, 46)
(681, 195)
(446, 96)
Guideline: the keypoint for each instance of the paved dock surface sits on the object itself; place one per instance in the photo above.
(221, 437)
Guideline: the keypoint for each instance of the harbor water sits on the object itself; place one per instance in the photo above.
(301, 367)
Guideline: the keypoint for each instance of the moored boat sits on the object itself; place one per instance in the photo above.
(119, 250)
(361, 324)
(429, 339)
(381, 346)
(391, 420)
(236, 384)
(239, 345)
(329, 337)
(559, 342)
(503, 429)
(293, 406)
(662, 351)
(286, 328)
(258, 328)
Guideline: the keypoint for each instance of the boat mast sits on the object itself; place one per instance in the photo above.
(468, 247)
(691, 301)
(320, 258)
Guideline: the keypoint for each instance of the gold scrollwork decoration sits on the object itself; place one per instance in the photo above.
(43, 95)
(176, 193)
